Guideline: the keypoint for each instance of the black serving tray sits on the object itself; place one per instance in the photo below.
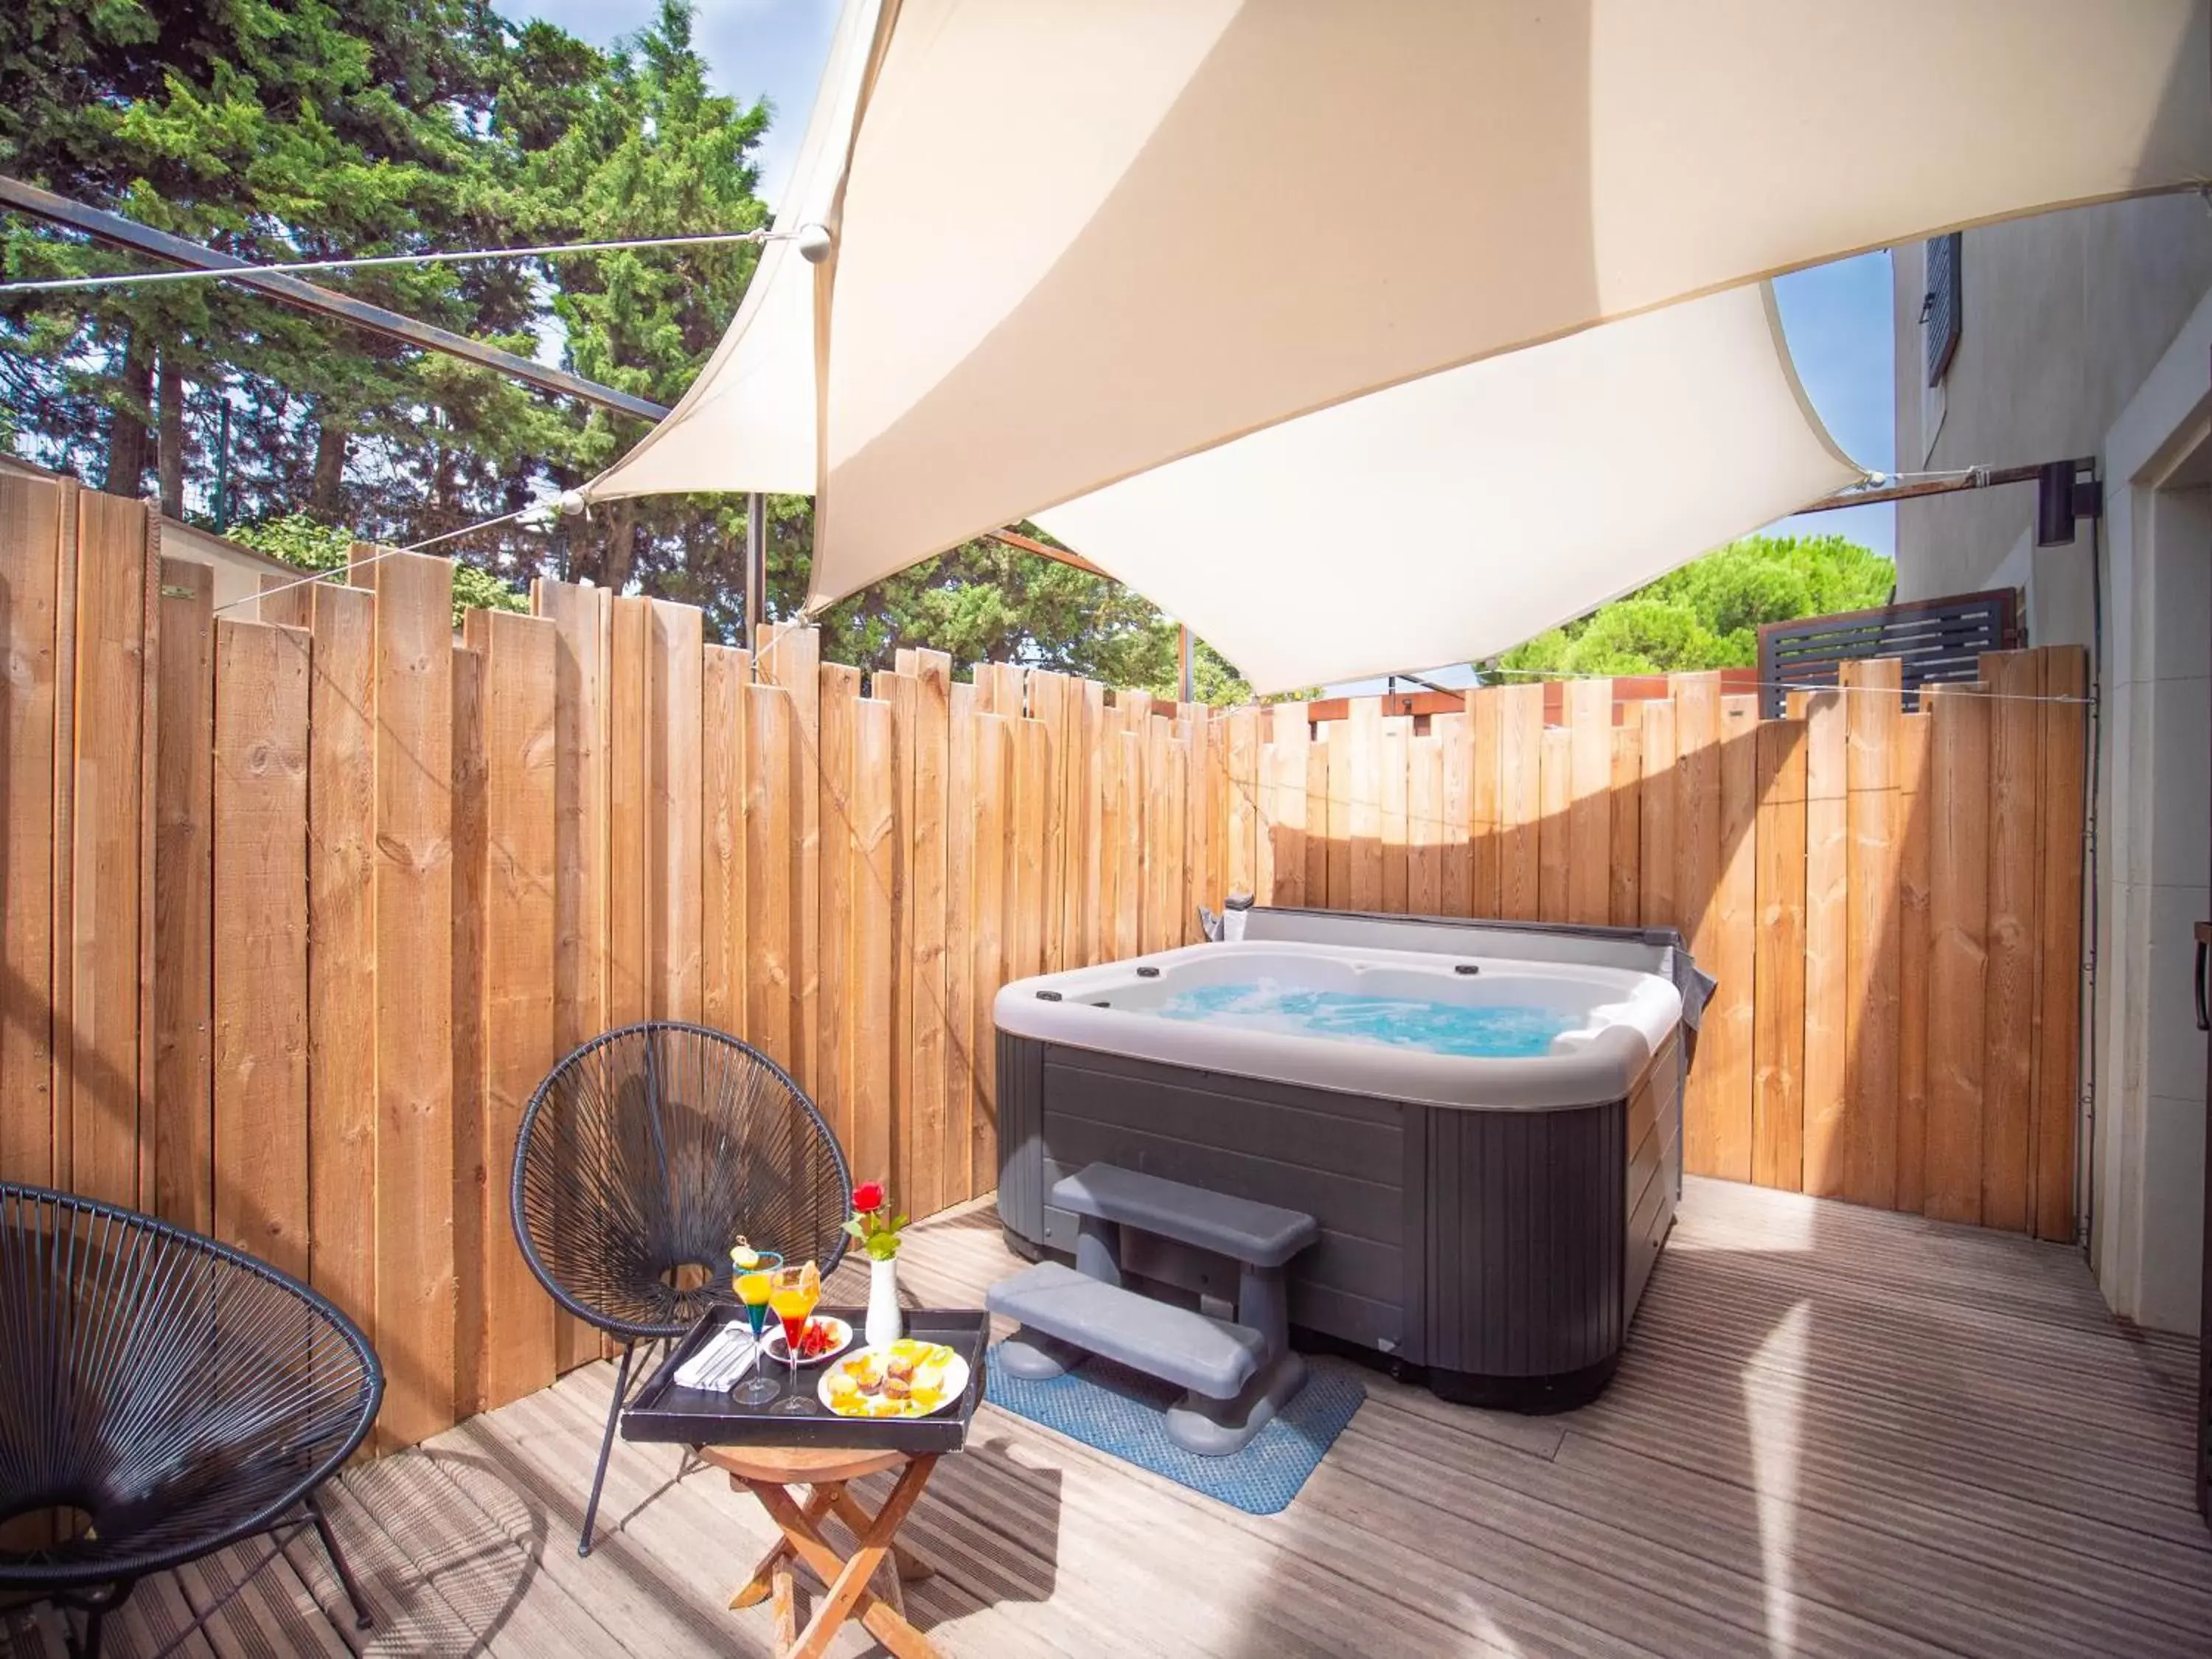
(701, 1417)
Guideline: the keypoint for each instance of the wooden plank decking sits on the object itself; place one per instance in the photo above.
(1836, 1430)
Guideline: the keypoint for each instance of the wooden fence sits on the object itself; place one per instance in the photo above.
(300, 908)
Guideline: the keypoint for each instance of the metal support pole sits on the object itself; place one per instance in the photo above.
(755, 565)
(222, 468)
(1190, 681)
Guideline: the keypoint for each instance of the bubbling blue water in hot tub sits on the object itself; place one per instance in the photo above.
(1484, 1030)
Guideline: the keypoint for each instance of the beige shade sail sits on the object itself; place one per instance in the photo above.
(1455, 515)
(1081, 239)
(748, 421)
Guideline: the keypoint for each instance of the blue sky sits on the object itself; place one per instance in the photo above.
(1837, 317)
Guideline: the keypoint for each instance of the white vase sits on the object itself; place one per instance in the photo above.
(884, 1324)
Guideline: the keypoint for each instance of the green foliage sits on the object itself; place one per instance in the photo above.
(281, 130)
(986, 602)
(1706, 615)
(298, 539)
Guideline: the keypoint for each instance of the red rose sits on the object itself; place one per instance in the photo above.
(868, 1195)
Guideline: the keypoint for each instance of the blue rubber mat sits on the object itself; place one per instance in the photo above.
(1118, 1411)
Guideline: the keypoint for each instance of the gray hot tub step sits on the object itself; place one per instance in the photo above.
(1209, 1357)
(1265, 1235)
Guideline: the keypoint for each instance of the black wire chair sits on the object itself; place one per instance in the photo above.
(641, 1159)
(161, 1396)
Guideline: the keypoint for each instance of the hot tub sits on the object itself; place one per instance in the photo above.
(1484, 1121)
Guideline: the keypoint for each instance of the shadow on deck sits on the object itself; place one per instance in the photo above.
(1834, 1430)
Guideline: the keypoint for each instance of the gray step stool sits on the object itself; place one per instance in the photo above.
(1237, 1375)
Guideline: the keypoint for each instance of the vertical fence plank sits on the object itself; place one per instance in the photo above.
(995, 790)
(674, 662)
(1025, 881)
(1163, 846)
(1589, 819)
(2058, 1056)
(1912, 931)
(414, 904)
(1286, 828)
(341, 969)
(1095, 862)
(31, 530)
(149, 715)
(1047, 701)
(2015, 681)
(1730, 1016)
(1555, 771)
(1873, 926)
(722, 674)
(61, 840)
(870, 963)
(923, 1110)
(520, 872)
(1369, 886)
(1318, 846)
(108, 853)
(1697, 881)
(469, 1120)
(1655, 880)
(630, 797)
(1129, 855)
(260, 944)
(1243, 863)
(1396, 735)
(1520, 801)
(773, 1023)
(840, 692)
(954, 1160)
(1343, 784)
(1484, 716)
(184, 1008)
(902, 692)
(582, 621)
(1958, 795)
(1455, 883)
(793, 660)
(1624, 892)
(1425, 826)
(1828, 927)
(1778, 961)
(1112, 896)
(1199, 833)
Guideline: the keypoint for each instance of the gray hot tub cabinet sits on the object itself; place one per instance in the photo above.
(1497, 1256)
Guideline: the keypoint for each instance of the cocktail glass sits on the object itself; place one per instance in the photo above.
(792, 1293)
(753, 1286)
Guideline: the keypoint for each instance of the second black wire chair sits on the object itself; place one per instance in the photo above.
(161, 1396)
(642, 1157)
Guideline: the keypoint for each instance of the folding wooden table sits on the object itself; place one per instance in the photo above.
(770, 1474)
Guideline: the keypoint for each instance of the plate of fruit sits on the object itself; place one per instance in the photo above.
(905, 1378)
(825, 1338)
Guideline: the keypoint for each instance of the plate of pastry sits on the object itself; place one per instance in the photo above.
(905, 1378)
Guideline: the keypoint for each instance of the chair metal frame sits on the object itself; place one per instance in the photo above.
(634, 1334)
(96, 1586)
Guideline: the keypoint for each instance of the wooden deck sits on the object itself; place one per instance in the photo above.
(1836, 1430)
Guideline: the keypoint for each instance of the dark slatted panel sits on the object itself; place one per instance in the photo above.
(1941, 310)
(1935, 640)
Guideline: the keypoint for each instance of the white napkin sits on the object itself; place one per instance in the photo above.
(728, 1356)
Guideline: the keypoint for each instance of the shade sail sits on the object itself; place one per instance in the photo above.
(1455, 515)
(1083, 237)
(748, 421)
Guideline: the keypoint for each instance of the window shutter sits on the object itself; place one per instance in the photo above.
(1939, 311)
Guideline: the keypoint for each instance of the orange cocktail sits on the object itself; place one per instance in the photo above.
(792, 1293)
